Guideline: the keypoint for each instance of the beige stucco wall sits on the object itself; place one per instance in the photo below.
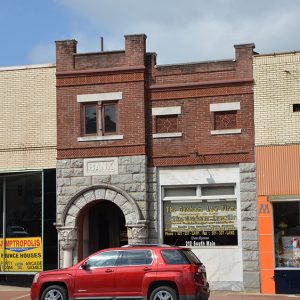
(276, 89)
(27, 117)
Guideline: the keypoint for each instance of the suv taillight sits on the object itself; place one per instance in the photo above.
(200, 274)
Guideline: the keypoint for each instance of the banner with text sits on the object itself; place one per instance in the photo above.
(200, 223)
(21, 254)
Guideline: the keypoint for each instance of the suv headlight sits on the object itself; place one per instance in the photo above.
(35, 278)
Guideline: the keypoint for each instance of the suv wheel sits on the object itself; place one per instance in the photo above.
(163, 293)
(54, 292)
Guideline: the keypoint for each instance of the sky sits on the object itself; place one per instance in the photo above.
(178, 31)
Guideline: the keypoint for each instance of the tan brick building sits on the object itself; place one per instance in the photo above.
(27, 99)
(277, 139)
(27, 167)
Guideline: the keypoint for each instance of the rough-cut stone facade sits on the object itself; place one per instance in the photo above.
(126, 189)
(249, 226)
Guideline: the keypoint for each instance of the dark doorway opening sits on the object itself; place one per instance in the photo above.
(102, 225)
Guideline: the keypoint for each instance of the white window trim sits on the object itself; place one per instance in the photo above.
(225, 106)
(166, 135)
(99, 97)
(167, 110)
(225, 131)
(99, 138)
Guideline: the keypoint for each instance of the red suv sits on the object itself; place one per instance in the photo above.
(153, 272)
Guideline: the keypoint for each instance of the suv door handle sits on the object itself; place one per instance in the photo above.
(109, 270)
(147, 269)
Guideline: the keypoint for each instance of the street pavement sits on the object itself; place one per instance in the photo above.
(20, 293)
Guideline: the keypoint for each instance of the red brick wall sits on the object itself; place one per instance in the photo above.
(133, 72)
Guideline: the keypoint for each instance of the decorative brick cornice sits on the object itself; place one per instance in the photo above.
(100, 76)
(226, 158)
(200, 91)
(202, 84)
(101, 152)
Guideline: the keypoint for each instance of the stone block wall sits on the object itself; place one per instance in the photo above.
(249, 227)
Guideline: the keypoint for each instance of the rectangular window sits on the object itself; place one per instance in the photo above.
(99, 119)
(208, 218)
(286, 218)
(225, 120)
(109, 118)
(296, 107)
(168, 123)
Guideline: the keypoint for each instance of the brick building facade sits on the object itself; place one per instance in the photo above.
(150, 153)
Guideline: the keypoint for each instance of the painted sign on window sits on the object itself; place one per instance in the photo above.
(197, 224)
(21, 254)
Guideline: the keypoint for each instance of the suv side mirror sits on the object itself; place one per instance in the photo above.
(85, 265)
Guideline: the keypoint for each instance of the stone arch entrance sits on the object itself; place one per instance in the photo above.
(67, 220)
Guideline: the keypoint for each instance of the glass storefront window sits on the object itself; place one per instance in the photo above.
(287, 234)
(210, 221)
(21, 216)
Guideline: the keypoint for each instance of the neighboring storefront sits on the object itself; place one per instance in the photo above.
(27, 203)
(277, 127)
(28, 237)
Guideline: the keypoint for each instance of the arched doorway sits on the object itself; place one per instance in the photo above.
(101, 225)
(72, 222)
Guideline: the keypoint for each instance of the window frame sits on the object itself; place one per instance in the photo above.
(164, 112)
(201, 200)
(224, 107)
(100, 101)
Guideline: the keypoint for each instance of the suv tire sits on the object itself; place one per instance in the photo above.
(56, 292)
(163, 293)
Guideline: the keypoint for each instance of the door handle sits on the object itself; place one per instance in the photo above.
(147, 269)
(108, 270)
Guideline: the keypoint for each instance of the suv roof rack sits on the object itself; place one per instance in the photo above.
(146, 245)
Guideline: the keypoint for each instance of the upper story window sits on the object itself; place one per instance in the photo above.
(99, 120)
(166, 121)
(225, 118)
(296, 107)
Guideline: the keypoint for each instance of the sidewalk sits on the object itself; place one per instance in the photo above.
(23, 293)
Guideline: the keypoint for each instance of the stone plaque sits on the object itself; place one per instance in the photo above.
(100, 166)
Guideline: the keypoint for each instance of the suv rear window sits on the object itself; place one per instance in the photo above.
(180, 257)
(192, 258)
(174, 257)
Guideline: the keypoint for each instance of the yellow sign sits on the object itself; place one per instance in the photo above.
(21, 254)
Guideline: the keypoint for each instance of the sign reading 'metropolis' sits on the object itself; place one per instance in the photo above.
(200, 223)
(21, 254)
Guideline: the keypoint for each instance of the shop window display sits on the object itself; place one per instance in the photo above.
(287, 234)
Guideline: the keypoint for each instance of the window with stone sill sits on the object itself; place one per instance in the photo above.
(225, 120)
(99, 119)
(166, 124)
(99, 116)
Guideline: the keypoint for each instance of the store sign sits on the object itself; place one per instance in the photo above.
(200, 223)
(21, 254)
(100, 166)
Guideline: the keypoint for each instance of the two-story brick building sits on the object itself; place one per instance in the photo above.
(159, 154)
(277, 139)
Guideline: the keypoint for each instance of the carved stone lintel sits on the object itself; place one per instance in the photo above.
(67, 237)
(137, 233)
